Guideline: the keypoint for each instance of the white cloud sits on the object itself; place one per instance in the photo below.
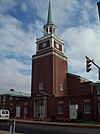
(81, 42)
(5, 5)
(11, 78)
(14, 39)
(61, 10)
(18, 42)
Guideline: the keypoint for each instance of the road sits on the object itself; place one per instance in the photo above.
(48, 129)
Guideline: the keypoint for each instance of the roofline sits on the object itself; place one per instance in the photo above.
(79, 77)
(16, 94)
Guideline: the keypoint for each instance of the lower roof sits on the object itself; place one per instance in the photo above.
(16, 94)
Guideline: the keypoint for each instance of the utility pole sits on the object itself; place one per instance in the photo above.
(88, 65)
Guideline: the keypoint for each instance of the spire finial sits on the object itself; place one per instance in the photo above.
(49, 21)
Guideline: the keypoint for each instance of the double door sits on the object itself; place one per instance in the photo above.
(40, 109)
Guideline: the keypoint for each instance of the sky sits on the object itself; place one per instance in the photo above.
(22, 21)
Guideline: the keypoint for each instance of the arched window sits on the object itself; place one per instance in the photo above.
(50, 29)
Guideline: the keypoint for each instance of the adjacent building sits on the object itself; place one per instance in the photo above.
(16, 102)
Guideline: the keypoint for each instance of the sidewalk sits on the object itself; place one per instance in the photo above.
(59, 124)
(7, 132)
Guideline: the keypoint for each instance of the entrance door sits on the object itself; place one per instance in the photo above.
(73, 111)
(41, 109)
(25, 112)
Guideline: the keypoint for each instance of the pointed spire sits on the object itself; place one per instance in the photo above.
(49, 21)
(49, 28)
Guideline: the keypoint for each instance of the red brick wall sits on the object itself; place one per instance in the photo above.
(59, 75)
(76, 87)
(51, 71)
(42, 69)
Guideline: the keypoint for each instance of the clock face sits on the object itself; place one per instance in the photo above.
(44, 45)
(57, 45)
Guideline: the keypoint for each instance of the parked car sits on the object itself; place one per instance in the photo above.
(4, 114)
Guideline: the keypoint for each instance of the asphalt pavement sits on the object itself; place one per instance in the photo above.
(59, 123)
(38, 127)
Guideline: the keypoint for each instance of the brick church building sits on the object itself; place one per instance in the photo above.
(55, 93)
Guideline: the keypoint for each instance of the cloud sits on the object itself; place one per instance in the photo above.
(11, 78)
(5, 5)
(14, 39)
(63, 8)
(80, 42)
(16, 48)
(66, 13)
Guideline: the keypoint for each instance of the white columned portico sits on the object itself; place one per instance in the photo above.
(40, 107)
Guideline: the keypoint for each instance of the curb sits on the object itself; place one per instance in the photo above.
(60, 124)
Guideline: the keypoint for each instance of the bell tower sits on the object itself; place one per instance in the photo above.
(49, 68)
(49, 27)
(49, 65)
(49, 39)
